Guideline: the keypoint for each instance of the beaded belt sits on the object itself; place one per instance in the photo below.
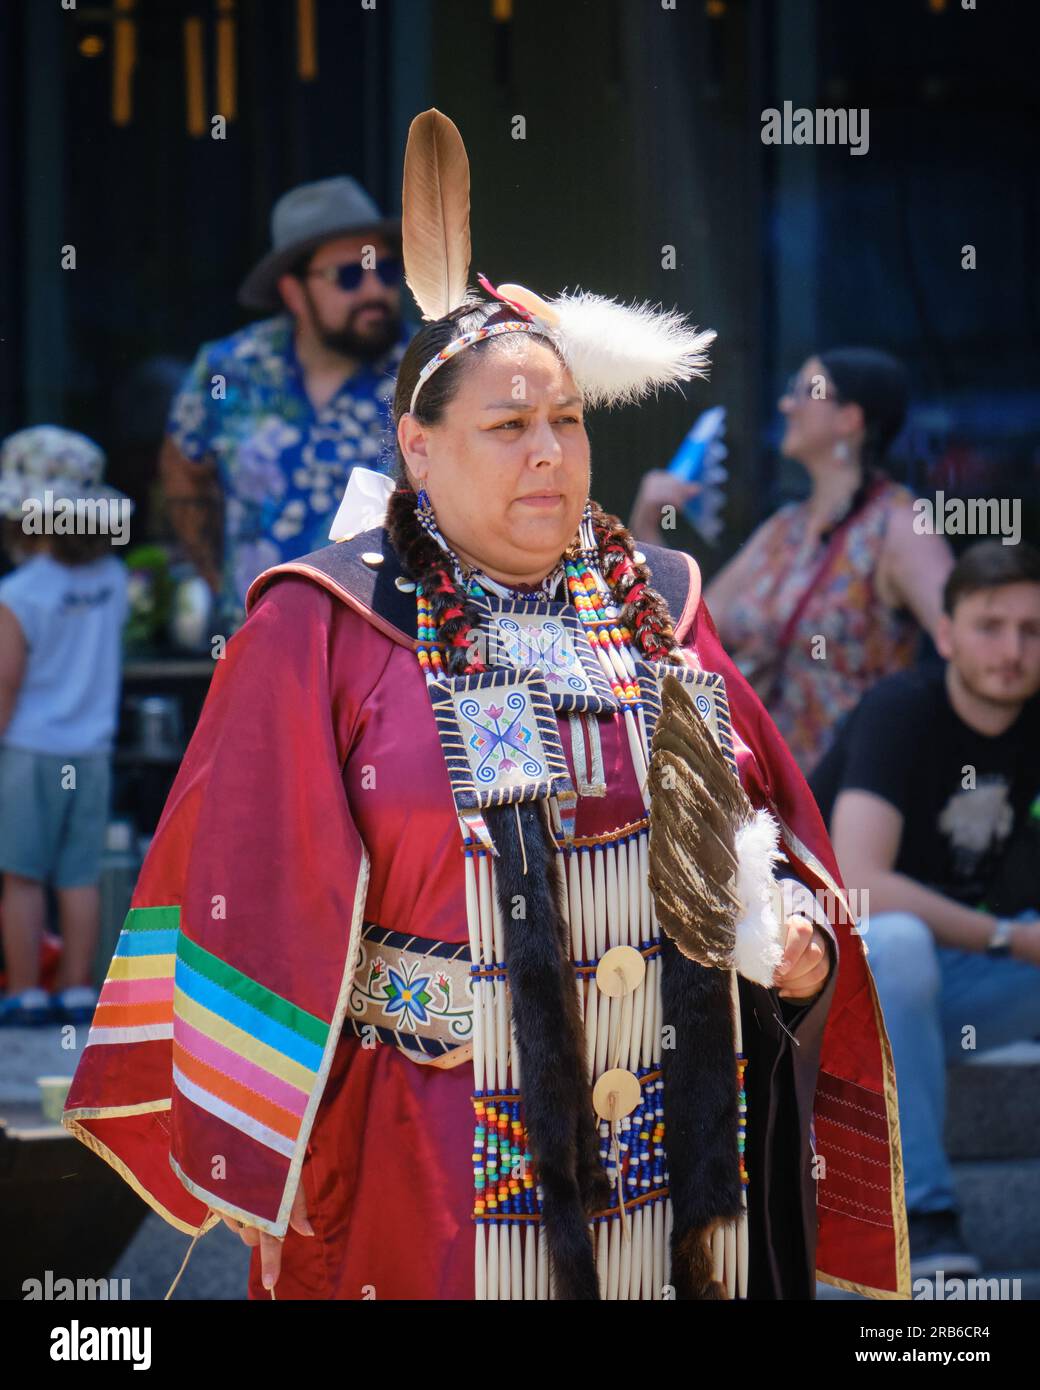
(415, 993)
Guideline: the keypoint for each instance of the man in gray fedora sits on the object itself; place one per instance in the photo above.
(270, 422)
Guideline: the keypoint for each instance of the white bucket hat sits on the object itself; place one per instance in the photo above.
(49, 459)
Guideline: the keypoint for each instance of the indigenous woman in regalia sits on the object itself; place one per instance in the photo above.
(490, 944)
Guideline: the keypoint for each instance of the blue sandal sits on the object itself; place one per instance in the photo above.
(74, 1005)
(29, 1009)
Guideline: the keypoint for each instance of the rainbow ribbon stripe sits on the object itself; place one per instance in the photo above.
(240, 1051)
(136, 1002)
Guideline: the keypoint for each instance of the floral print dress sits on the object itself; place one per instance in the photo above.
(846, 637)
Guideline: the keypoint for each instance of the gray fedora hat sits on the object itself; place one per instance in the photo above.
(302, 220)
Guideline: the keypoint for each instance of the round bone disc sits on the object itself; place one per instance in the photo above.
(621, 970)
(372, 557)
(623, 1086)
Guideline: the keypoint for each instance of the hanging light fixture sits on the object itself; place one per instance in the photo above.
(194, 77)
(227, 68)
(306, 41)
(219, 19)
(124, 60)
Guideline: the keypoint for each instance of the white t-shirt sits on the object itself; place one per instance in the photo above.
(72, 617)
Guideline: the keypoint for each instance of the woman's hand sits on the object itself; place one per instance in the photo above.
(658, 489)
(806, 964)
(271, 1246)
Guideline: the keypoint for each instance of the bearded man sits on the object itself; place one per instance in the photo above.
(270, 422)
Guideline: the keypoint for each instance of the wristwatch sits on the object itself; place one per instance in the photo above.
(1000, 942)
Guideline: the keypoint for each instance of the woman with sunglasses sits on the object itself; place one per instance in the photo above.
(830, 593)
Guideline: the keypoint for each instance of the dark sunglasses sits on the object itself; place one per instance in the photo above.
(348, 276)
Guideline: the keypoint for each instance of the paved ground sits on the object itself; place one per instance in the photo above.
(219, 1263)
(218, 1267)
(26, 1053)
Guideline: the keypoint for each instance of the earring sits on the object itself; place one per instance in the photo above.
(587, 534)
(841, 451)
(423, 504)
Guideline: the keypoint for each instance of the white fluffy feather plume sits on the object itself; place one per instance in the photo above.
(759, 947)
(619, 353)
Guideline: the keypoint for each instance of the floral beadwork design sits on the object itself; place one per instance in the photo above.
(500, 740)
(405, 993)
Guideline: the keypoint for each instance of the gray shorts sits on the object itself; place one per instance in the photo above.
(52, 829)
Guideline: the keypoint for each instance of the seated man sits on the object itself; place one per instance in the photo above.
(927, 790)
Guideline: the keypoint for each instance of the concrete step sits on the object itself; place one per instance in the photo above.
(993, 1105)
(1000, 1211)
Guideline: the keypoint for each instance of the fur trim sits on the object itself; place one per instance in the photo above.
(549, 1034)
(700, 1114)
(759, 946)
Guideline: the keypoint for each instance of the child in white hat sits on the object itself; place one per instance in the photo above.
(62, 610)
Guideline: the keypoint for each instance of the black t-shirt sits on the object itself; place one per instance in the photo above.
(962, 794)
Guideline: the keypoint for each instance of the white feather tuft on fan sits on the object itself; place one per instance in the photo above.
(760, 945)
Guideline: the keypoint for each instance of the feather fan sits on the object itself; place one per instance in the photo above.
(711, 853)
(435, 214)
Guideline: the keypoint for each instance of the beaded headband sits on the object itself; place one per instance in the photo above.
(467, 340)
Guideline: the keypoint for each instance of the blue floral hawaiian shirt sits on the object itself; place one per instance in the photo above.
(282, 465)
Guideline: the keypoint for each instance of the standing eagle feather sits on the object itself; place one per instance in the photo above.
(435, 214)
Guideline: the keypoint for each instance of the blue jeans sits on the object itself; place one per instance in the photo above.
(929, 994)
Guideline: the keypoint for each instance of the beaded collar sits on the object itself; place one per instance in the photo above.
(475, 582)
